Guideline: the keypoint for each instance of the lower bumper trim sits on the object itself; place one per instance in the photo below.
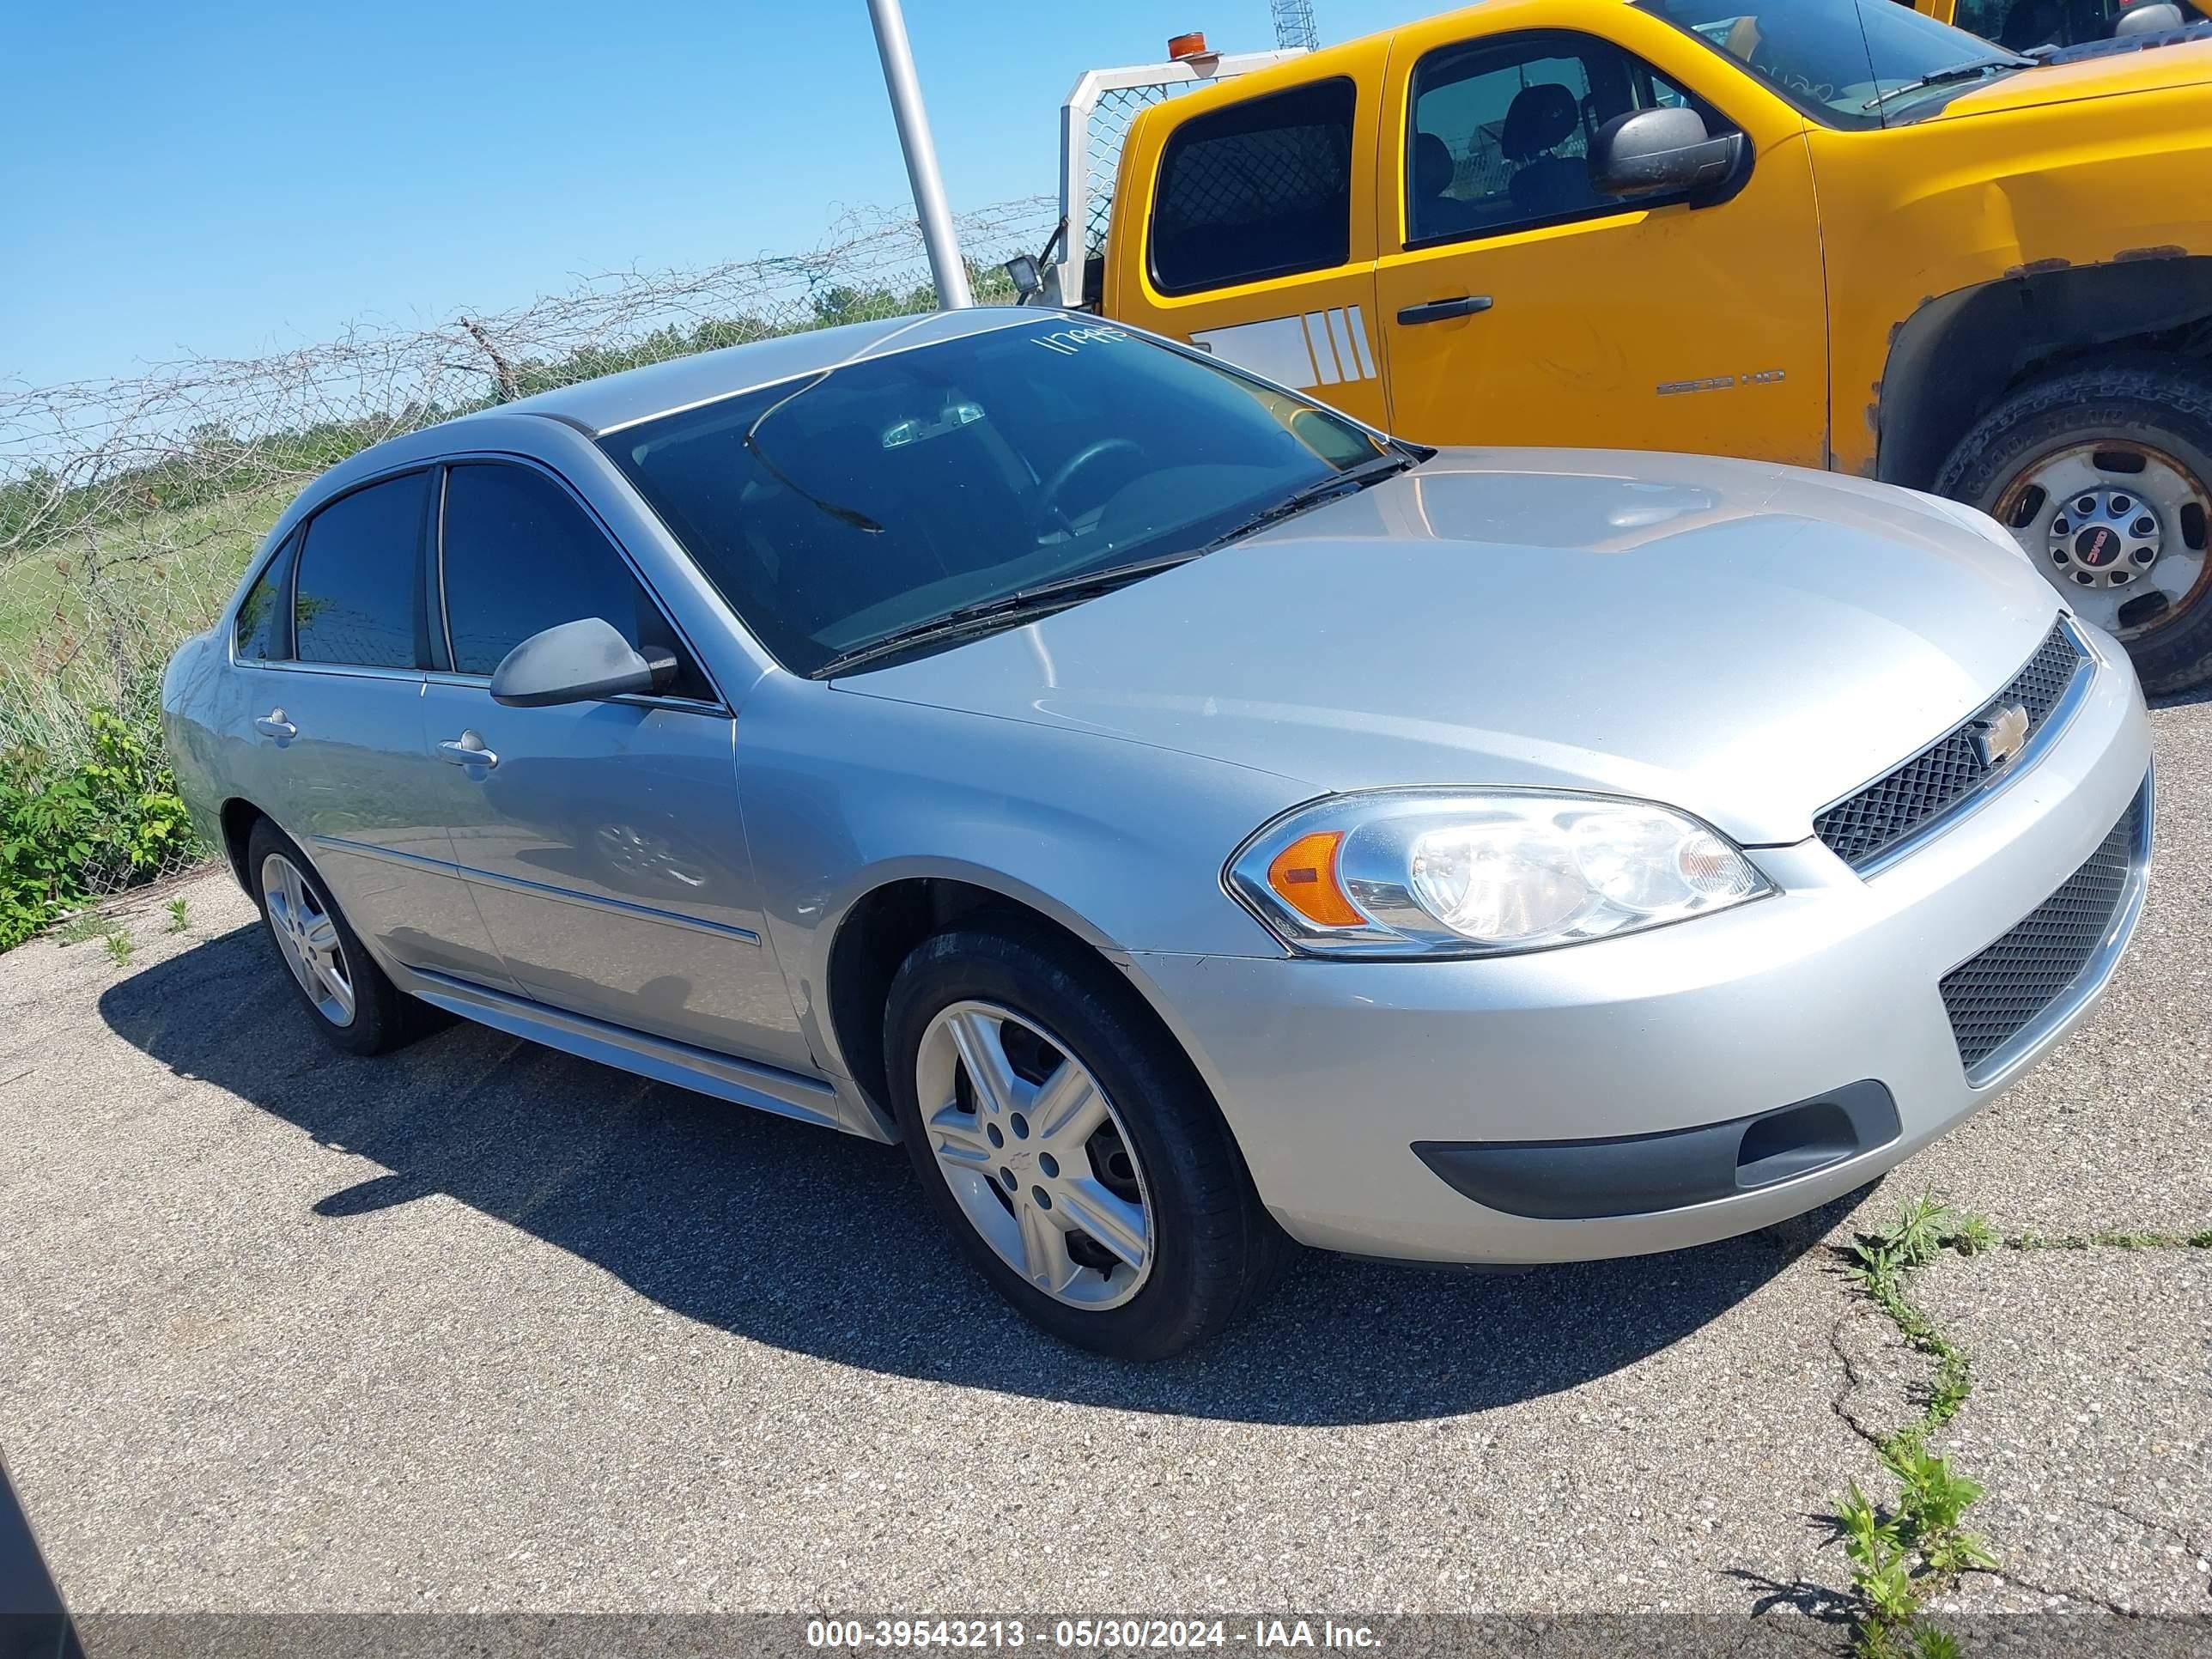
(1673, 1169)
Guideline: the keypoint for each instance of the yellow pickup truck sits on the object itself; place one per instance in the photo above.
(1833, 233)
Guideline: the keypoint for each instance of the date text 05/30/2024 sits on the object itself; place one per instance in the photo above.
(1092, 1635)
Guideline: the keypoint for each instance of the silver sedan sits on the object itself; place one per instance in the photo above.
(1188, 820)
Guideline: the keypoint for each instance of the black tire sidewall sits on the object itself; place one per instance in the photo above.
(1209, 1243)
(2152, 404)
(380, 1019)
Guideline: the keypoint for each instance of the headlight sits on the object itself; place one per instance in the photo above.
(1426, 872)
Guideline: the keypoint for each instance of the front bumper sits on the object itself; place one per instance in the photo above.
(1330, 1072)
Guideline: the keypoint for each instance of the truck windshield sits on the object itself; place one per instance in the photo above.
(861, 501)
(1852, 64)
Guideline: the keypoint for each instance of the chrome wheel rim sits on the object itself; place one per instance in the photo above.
(307, 940)
(1035, 1154)
(2119, 528)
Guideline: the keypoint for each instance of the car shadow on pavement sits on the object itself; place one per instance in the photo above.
(818, 1242)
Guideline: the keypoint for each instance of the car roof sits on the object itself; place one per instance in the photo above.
(613, 401)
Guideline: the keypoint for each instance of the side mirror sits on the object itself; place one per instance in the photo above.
(1027, 277)
(577, 662)
(1660, 149)
(2153, 19)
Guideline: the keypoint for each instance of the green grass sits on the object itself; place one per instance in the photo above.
(172, 567)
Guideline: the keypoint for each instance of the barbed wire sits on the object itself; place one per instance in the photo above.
(129, 505)
(81, 452)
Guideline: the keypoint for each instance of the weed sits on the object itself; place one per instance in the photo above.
(1898, 1556)
(2118, 1240)
(180, 919)
(119, 948)
(71, 829)
(86, 924)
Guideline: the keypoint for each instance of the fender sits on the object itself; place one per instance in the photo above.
(1956, 355)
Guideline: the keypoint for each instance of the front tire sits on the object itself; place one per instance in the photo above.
(353, 1004)
(1070, 1146)
(2104, 474)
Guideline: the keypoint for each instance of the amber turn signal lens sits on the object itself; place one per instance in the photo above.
(1303, 876)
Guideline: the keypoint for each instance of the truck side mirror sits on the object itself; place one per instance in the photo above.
(1652, 150)
(2153, 19)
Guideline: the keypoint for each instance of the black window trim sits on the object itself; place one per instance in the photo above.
(719, 705)
(289, 544)
(1273, 273)
(1707, 196)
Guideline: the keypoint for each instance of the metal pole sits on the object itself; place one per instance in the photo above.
(936, 234)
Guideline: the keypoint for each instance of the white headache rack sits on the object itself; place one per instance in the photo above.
(1094, 123)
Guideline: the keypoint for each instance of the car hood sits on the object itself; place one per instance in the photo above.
(1748, 642)
(2185, 63)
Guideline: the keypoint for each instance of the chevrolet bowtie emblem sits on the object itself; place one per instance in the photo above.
(2001, 735)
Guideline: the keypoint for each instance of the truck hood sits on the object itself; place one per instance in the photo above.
(2153, 68)
(1744, 641)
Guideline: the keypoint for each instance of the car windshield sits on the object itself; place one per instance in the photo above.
(1844, 63)
(836, 510)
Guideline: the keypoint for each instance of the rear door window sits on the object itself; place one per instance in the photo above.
(264, 628)
(520, 555)
(1260, 189)
(360, 587)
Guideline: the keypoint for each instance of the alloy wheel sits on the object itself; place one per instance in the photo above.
(2119, 527)
(308, 938)
(1035, 1154)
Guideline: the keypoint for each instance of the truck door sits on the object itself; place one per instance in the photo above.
(1250, 231)
(1521, 306)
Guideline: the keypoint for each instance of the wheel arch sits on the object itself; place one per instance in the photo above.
(893, 912)
(237, 816)
(1958, 355)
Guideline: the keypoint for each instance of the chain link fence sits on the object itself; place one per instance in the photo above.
(130, 506)
(1117, 108)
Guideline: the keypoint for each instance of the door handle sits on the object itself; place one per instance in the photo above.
(468, 749)
(1435, 310)
(274, 724)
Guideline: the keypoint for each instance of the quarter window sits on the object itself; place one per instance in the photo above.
(520, 557)
(360, 587)
(1260, 189)
(262, 631)
(1501, 131)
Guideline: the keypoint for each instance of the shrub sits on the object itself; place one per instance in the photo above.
(74, 830)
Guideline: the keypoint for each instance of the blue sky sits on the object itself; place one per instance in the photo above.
(233, 177)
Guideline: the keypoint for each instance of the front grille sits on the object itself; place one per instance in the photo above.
(1992, 996)
(1860, 829)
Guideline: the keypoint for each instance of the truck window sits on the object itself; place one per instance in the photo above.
(1501, 129)
(1260, 189)
(2023, 24)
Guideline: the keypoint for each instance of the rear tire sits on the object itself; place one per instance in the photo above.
(353, 1004)
(2134, 433)
(1004, 989)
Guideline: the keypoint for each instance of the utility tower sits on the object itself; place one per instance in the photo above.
(1294, 25)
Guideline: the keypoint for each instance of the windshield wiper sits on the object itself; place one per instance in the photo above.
(1973, 71)
(1007, 608)
(1002, 612)
(1348, 482)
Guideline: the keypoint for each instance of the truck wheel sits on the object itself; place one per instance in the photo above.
(2105, 475)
